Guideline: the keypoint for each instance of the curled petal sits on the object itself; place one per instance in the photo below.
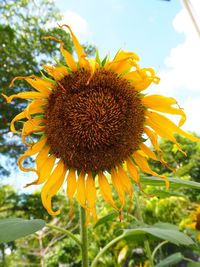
(164, 123)
(68, 57)
(43, 86)
(30, 152)
(144, 166)
(52, 186)
(58, 73)
(164, 104)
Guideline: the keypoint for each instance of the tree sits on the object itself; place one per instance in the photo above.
(23, 50)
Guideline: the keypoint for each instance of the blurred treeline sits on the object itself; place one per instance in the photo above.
(23, 24)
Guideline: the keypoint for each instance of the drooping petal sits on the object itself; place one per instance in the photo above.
(79, 49)
(68, 57)
(81, 195)
(32, 126)
(24, 95)
(133, 171)
(148, 152)
(118, 186)
(33, 108)
(144, 166)
(52, 186)
(45, 171)
(71, 184)
(42, 156)
(58, 73)
(164, 123)
(164, 104)
(105, 189)
(153, 138)
(125, 181)
(91, 195)
(30, 152)
(43, 86)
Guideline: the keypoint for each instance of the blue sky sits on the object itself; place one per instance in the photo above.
(143, 26)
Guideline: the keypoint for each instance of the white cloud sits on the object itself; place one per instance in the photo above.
(181, 76)
(78, 24)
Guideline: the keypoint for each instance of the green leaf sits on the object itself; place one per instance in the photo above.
(14, 228)
(104, 60)
(193, 264)
(171, 260)
(174, 182)
(109, 217)
(164, 193)
(166, 233)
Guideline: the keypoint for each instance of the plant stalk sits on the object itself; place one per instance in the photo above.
(84, 237)
(140, 218)
(64, 231)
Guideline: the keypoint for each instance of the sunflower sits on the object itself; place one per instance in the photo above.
(93, 119)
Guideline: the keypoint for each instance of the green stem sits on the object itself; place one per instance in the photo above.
(106, 248)
(84, 237)
(158, 247)
(68, 233)
(140, 218)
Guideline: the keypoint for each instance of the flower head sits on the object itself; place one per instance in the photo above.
(92, 119)
(193, 222)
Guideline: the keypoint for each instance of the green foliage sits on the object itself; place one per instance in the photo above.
(14, 228)
(185, 166)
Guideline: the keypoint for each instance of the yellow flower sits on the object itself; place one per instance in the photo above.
(194, 221)
(93, 118)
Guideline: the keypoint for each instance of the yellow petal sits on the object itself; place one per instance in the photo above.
(68, 57)
(71, 184)
(122, 62)
(93, 65)
(164, 123)
(45, 171)
(148, 151)
(118, 186)
(91, 195)
(43, 86)
(140, 79)
(24, 95)
(105, 189)
(42, 156)
(32, 126)
(144, 166)
(79, 49)
(133, 171)
(153, 138)
(81, 195)
(30, 152)
(125, 181)
(52, 186)
(164, 104)
(121, 54)
(58, 73)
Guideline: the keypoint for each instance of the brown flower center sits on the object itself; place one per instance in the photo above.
(97, 125)
(197, 226)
